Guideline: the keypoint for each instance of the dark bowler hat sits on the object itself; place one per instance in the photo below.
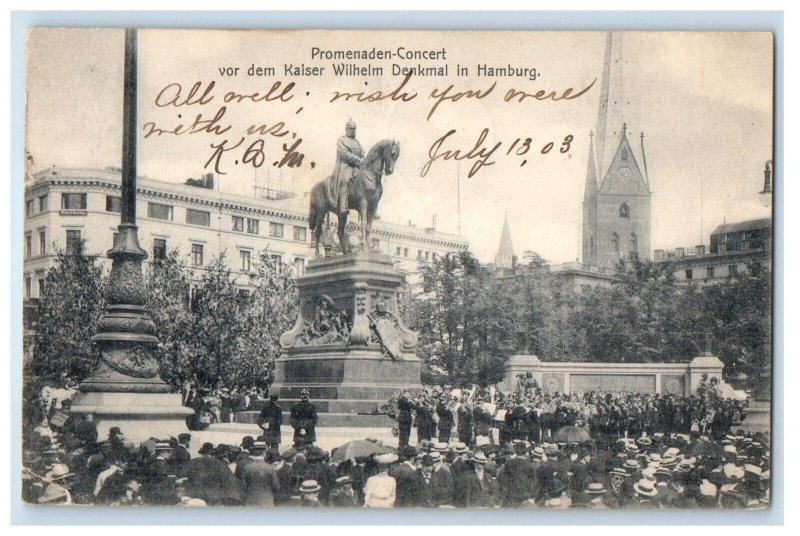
(288, 454)
(407, 452)
(114, 431)
(184, 437)
(247, 442)
(207, 448)
(273, 397)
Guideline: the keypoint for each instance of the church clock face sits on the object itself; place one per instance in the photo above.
(625, 176)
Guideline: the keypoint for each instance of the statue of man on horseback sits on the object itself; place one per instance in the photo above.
(354, 184)
(349, 157)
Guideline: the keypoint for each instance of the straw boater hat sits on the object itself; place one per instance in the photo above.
(478, 457)
(309, 486)
(619, 471)
(440, 446)
(646, 488)
(663, 471)
(596, 488)
(538, 453)
(58, 472)
(460, 448)
(632, 464)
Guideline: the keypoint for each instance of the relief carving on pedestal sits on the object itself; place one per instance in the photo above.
(137, 362)
(320, 322)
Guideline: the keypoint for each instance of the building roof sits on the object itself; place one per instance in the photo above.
(748, 225)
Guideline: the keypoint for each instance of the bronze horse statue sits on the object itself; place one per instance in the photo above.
(364, 193)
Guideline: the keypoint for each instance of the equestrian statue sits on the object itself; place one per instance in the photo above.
(354, 184)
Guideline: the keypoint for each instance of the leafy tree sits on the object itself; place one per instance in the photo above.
(168, 283)
(269, 310)
(68, 314)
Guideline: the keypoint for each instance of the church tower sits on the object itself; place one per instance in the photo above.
(616, 201)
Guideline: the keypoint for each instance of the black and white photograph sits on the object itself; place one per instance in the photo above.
(397, 269)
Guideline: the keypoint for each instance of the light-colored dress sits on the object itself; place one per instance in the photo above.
(380, 491)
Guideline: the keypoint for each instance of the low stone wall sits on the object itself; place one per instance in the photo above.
(571, 377)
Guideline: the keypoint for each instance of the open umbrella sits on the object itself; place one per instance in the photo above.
(360, 448)
(571, 434)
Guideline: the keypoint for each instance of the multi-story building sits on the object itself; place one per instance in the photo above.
(733, 247)
(65, 208)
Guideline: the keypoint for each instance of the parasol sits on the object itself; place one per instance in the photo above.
(571, 434)
(360, 448)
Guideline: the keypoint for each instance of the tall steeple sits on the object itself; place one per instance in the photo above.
(590, 208)
(505, 253)
(613, 102)
(616, 199)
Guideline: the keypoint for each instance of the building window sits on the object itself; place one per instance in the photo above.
(405, 252)
(397, 251)
(159, 212)
(419, 254)
(624, 211)
(688, 274)
(73, 242)
(615, 242)
(198, 217)
(710, 271)
(43, 203)
(73, 201)
(276, 230)
(634, 245)
(733, 269)
(113, 204)
(28, 208)
(42, 242)
(197, 254)
(238, 224)
(300, 234)
(244, 256)
(375, 244)
(299, 266)
(28, 286)
(624, 154)
(277, 262)
(159, 249)
(252, 226)
(427, 255)
(28, 246)
(41, 287)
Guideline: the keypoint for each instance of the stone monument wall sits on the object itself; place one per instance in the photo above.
(573, 377)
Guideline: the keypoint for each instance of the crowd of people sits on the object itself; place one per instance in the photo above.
(474, 449)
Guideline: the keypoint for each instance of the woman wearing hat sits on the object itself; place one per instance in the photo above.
(380, 491)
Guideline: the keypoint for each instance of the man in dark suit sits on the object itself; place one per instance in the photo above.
(517, 479)
(423, 422)
(446, 421)
(410, 491)
(303, 418)
(270, 420)
(259, 478)
(404, 419)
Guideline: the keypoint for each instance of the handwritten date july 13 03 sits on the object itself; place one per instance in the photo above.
(483, 153)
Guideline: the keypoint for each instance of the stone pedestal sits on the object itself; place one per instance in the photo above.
(125, 388)
(349, 347)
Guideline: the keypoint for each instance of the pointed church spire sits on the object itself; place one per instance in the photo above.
(505, 253)
(590, 189)
(610, 114)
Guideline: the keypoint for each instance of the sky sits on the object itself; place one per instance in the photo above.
(704, 101)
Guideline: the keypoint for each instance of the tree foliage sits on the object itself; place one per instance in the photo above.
(470, 321)
(68, 313)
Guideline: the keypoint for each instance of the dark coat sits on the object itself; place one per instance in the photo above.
(424, 423)
(260, 483)
(468, 493)
(211, 479)
(517, 481)
(303, 417)
(410, 486)
(270, 420)
(445, 422)
(440, 487)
